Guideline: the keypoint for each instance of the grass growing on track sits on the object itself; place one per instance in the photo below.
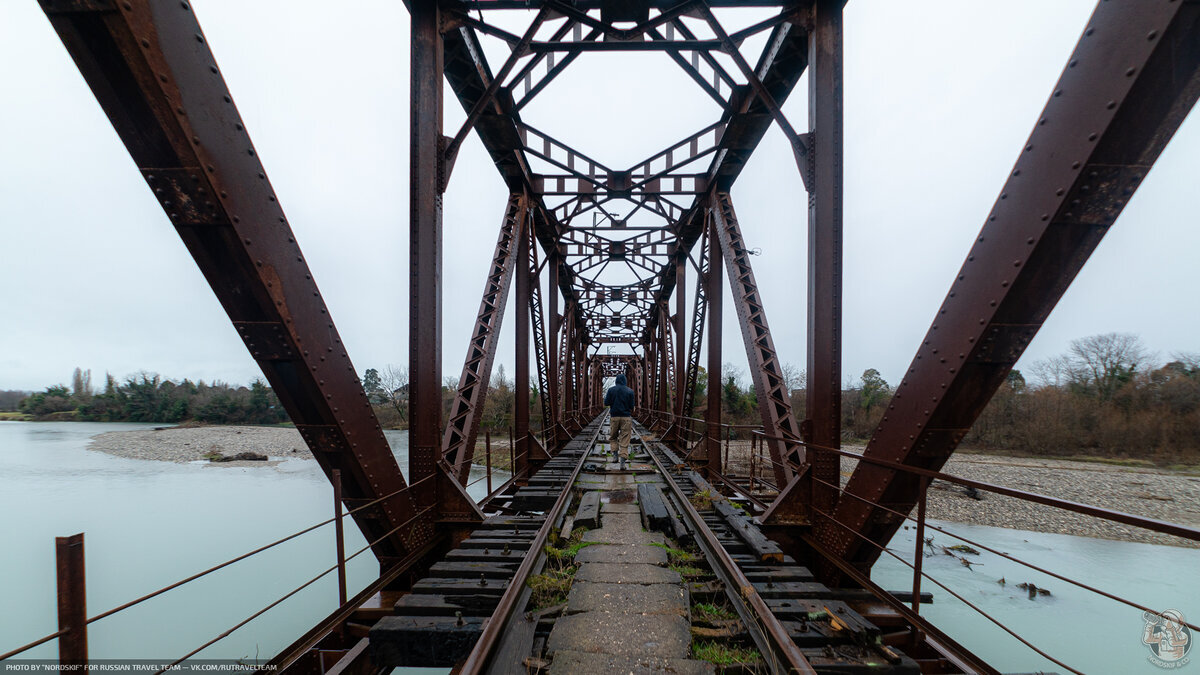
(551, 587)
(724, 654)
(706, 612)
(677, 556)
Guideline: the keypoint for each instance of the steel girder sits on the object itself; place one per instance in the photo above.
(493, 104)
(150, 68)
(541, 355)
(774, 403)
(462, 427)
(823, 403)
(712, 292)
(1131, 80)
(696, 336)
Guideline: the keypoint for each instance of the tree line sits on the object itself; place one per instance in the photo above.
(1107, 396)
(147, 397)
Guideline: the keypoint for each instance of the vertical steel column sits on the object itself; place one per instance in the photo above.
(521, 372)
(425, 251)
(664, 351)
(824, 400)
(552, 341)
(72, 601)
(712, 413)
(680, 325)
(338, 536)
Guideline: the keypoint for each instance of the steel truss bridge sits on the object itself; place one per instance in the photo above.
(617, 246)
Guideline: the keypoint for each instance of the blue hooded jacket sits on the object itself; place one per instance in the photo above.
(620, 398)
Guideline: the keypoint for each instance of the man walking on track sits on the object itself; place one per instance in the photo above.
(620, 401)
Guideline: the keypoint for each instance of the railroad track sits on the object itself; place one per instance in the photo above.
(576, 586)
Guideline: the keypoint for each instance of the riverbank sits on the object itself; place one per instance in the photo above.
(1152, 493)
(190, 444)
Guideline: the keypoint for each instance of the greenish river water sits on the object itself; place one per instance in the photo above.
(149, 524)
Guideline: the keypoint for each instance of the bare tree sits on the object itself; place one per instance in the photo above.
(81, 383)
(794, 377)
(1052, 372)
(394, 382)
(1102, 364)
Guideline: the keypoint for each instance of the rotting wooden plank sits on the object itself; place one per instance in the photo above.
(747, 531)
(435, 586)
(420, 604)
(423, 641)
(467, 570)
(655, 516)
(588, 514)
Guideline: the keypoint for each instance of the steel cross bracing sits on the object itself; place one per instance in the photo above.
(774, 403)
(696, 336)
(462, 426)
(1132, 79)
(541, 353)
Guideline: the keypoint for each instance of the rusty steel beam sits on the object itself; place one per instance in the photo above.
(1128, 85)
(778, 70)
(470, 78)
(712, 413)
(774, 403)
(541, 357)
(521, 368)
(696, 337)
(462, 428)
(72, 601)
(150, 68)
(823, 412)
(680, 326)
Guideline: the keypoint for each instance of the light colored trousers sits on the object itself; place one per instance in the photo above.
(620, 430)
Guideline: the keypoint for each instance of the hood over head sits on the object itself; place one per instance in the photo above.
(621, 380)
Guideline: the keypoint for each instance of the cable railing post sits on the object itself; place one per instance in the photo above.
(753, 455)
(72, 601)
(487, 449)
(338, 537)
(916, 592)
(512, 453)
(726, 466)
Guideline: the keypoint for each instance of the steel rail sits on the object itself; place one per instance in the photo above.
(766, 630)
(485, 647)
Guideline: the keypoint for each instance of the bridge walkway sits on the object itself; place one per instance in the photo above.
(591, 567)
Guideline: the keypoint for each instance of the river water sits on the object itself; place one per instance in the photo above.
(148, 524)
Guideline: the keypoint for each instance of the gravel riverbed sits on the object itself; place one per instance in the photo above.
(190, 444)
(1158, 494)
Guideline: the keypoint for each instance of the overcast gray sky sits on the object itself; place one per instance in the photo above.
(940, 96)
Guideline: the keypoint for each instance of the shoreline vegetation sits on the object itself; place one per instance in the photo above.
(1163, 494)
